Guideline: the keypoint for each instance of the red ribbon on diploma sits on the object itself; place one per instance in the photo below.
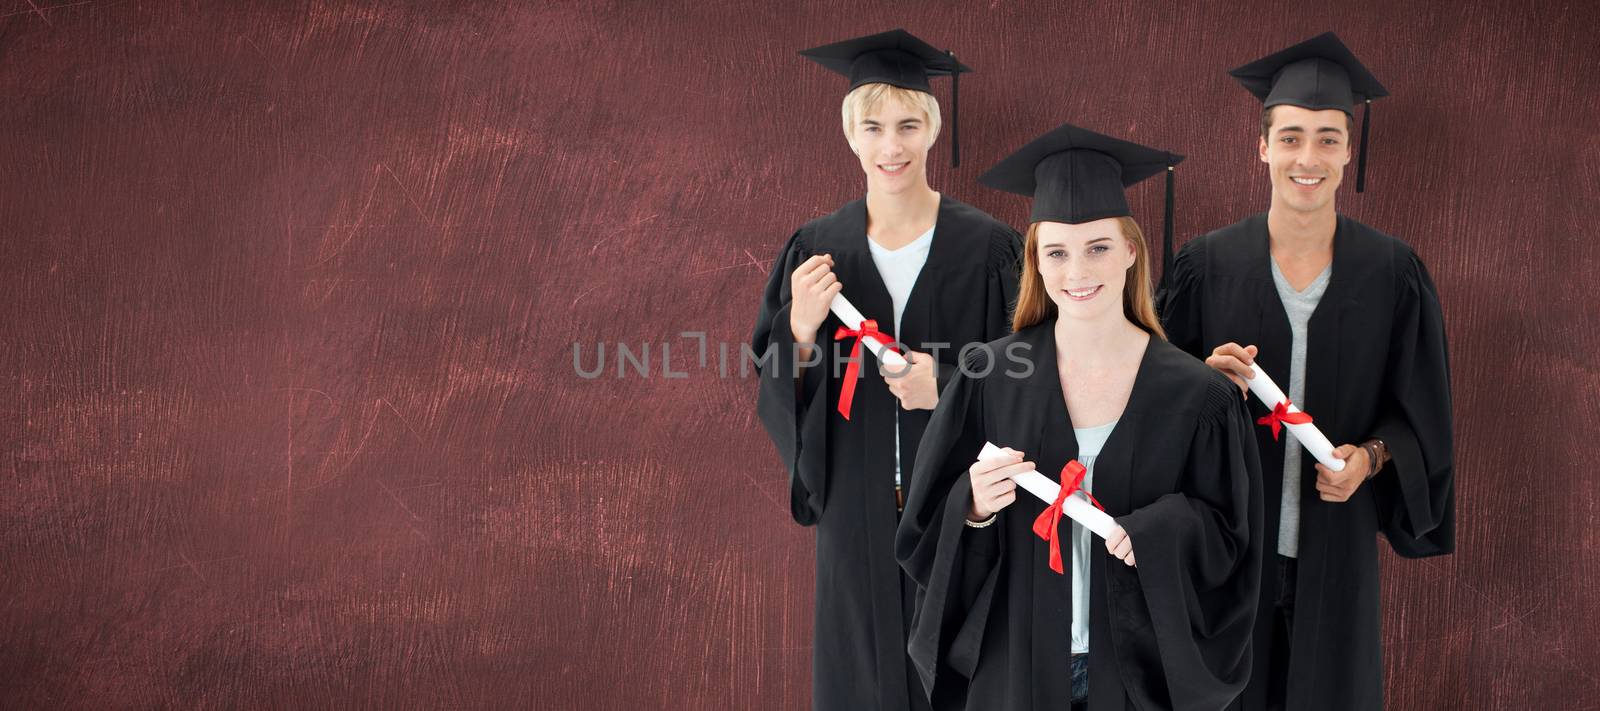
(1048, 523)
(1281, 414)
(847, 393)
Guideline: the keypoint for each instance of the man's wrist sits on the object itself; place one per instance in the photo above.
(1376, 455)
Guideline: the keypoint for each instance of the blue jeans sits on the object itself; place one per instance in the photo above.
(1080, 681)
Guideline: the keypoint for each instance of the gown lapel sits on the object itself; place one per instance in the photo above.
(1113, 469)
(945, 250)
(1326, 334)
(1053, 444)
(863, 286)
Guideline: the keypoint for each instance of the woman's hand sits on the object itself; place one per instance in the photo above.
(1121, 546)
(992, 487)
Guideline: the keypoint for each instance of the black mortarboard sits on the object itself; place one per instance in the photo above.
(1318, 74)
(897, 58)
(1075, 175)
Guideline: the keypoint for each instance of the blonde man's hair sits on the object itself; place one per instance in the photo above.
(865, 98)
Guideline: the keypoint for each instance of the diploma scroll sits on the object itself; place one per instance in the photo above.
(852, 318)
(1306, 433)
(1076, 507)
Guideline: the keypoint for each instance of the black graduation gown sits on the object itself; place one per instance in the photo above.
(841, 473)
(1376, 366)
(1179, 473)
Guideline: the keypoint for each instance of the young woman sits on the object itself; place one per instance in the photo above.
(933, 274)
(1158, 615)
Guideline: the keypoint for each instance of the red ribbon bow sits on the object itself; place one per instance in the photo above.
(1281, 414)
(847, 392)
(1048, 523)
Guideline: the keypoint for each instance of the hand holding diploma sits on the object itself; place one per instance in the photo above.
(1120, 546)
(1338, 486)
(812, 286)
(1076, 504)
(992, 486)
(853, 320)
(816, 291)
(1238, 363)
(1289, 416)
(917, 386)
(1234, 361)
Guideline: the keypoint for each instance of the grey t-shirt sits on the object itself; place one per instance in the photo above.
(1298, 305)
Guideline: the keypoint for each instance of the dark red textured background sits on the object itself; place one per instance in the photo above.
(289, 412)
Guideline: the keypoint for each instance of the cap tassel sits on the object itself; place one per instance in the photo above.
(955, 110)
(1361, 162)
(1166, 229)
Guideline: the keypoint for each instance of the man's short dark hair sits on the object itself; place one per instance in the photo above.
(1266, 122)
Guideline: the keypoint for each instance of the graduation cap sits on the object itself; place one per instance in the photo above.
(1318, 74)
(898, 58)
(1075, 175)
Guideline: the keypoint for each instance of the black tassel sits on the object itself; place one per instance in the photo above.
(955, 110)
(1361, 162)
(1166, 230)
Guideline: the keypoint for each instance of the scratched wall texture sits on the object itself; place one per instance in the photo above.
(290, 417)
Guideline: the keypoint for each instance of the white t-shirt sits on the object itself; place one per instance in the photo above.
(1090, 441)
(899, 269)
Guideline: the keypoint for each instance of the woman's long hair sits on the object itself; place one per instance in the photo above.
(1138, 297)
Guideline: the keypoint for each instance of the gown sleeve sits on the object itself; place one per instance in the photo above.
(1415, 491)
(955, 567)
(1178, 301)
(793, 410)
(1198, 575)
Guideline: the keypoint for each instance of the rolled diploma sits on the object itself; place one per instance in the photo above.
(1306, 434)
(852, 318)
(1076, 507)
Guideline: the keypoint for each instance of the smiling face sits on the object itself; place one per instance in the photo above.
(1084, 268)
(1305, 152)
(891, 130)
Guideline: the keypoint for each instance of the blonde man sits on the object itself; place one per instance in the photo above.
(933, 274)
